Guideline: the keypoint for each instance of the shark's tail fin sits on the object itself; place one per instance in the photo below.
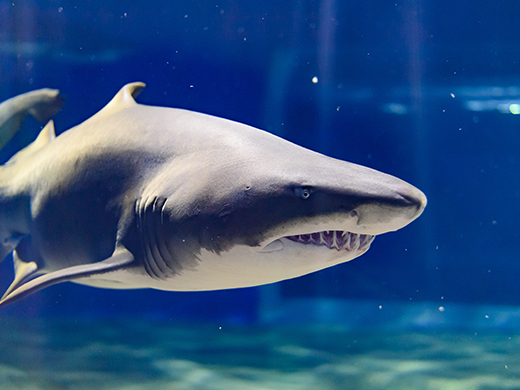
(42, 104)
(47, 105)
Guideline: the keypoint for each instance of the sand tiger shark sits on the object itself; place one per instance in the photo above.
(42, 104)
(152, 197)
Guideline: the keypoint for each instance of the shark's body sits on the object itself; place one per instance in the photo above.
(153, 197)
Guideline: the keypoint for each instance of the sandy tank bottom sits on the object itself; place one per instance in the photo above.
(124, 354)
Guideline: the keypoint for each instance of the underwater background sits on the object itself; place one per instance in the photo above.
(428, 91)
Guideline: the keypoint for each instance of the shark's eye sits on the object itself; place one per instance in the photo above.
(302, 192)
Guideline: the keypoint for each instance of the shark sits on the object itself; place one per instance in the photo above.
(42, 104)
(140, 196)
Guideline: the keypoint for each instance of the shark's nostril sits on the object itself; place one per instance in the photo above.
(417, 199)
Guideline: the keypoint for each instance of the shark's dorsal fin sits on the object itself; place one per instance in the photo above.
(120, 259)
(123, 99)
(46, 136)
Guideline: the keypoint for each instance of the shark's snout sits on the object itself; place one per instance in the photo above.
(390, 211)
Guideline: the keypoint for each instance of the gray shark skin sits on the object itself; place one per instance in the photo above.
(42, 104)
(152, 197)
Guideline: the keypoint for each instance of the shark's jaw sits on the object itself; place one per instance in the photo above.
(340, 241)
(334, 239)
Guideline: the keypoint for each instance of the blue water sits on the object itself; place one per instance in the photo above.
(427, 91)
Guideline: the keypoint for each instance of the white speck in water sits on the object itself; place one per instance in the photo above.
(315, 80)
(452, 95)
(60, 9)
(441, 308)
(380, 307)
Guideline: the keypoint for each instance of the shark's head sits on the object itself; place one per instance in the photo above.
(276, 215)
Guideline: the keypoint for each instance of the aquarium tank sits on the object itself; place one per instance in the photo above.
(426, 91)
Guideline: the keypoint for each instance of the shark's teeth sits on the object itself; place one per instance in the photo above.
(334, 239)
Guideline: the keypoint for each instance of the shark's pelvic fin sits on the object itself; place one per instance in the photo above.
(121, 258)
(22, 271)
(123, 99)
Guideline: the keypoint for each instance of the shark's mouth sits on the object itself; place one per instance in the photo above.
(334, 239)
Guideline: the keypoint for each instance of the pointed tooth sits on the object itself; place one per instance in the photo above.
(341, 239)
(334, 240)
(348, 241)
(328, 238)
(355, 242)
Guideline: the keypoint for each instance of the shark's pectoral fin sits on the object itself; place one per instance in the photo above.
(120, 259)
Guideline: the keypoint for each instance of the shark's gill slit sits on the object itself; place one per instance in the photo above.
(158, 259)
(155, 264)
(334, 239)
